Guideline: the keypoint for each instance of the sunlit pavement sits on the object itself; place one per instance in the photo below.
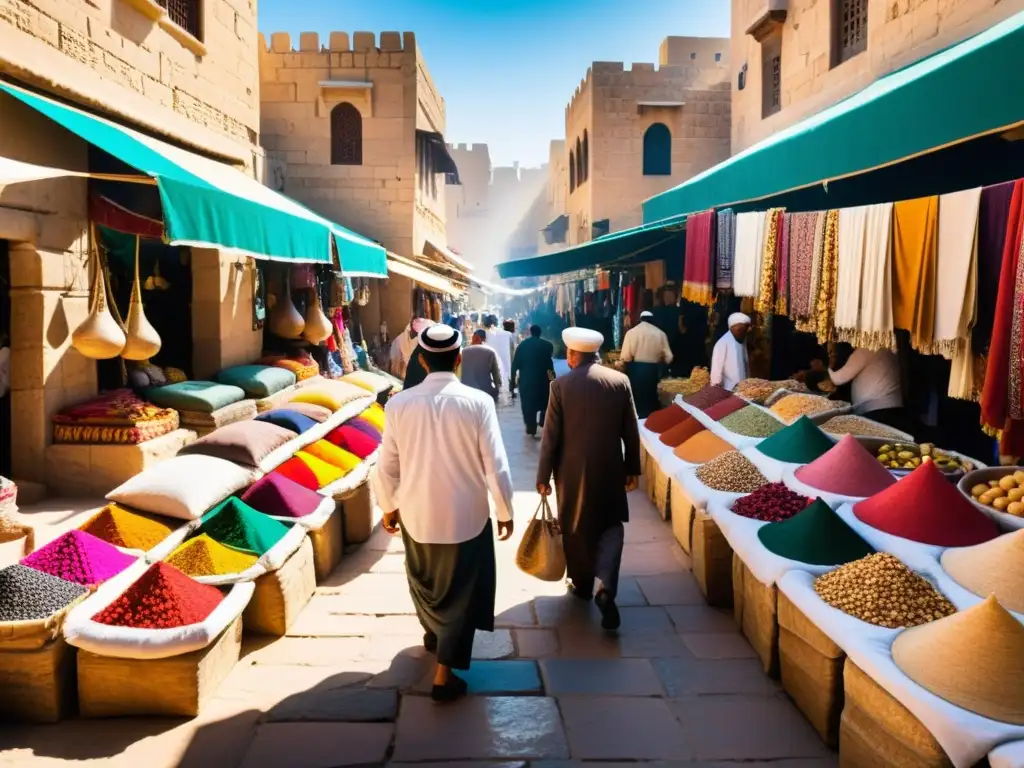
(678, 684)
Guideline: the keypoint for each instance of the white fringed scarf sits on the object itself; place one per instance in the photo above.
(746, 275)
(864, 291)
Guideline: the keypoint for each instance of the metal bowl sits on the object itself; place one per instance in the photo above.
(1004, 520)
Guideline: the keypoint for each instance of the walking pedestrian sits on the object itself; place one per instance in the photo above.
(533, 370)
(438, 499)
(480, 367)
(501, 342)
(509, 326)
(590, 417)
(645, 351)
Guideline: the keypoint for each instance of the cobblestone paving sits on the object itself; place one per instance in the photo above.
(678, 685)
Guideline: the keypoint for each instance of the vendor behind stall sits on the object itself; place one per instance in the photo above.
(645, 350)
(875, 385)
(729, 361)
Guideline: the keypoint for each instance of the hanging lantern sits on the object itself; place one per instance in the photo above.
(318, 327)
(363, 295)
(285, 320)
(99, 336)
(143, 342)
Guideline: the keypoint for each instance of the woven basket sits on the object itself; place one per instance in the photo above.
(712, 561)
(38, 685)
(30, 635)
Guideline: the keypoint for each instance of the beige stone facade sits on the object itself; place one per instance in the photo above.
(611, 113)
(388, 194)
(815, 69)
(127, 60)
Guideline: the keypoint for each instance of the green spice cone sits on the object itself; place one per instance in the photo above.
(799, 443)
(816, 536)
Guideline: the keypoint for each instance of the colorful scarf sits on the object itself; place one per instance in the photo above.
(698, 269)
(750, 229)
(803, 227)
(782, 276)
(825, 302)
(1000, 374)
(726, 248)
(864, 286)
(992, 218)
(915, 255)
(764, 299)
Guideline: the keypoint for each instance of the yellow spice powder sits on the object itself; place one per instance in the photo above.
(203, 556)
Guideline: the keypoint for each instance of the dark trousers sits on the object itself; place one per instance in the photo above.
(532, 417)
(607, 563)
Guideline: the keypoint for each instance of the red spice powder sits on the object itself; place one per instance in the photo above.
(847, 469)
(681, 432)
(162, 598)
(925, 507)
(665, 419)
(723, 408)
(707, 396)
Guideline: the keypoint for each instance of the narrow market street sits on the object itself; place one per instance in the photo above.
(679, 684)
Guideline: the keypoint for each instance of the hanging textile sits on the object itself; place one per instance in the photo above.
(863, 314)
(104, 212)
(825, 300)
(725, 248)
(915, 253)
(750, 230)
(764, 299)
(1001, 376)
(803, 228)
(992, 217)
(699, 268)
(782, 267)
(654, 275)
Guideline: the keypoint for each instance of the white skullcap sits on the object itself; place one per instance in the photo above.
(738, 318)
(647, 313)
(582, 339)
(419, 324)
(440, 338)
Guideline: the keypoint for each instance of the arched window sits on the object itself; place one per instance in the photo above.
(346, 135)
(586, 156)
(580, 178)
(657, 151)
(572, 171)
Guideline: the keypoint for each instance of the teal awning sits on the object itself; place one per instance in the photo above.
(213, 205)
(649, 242)
(963, 92)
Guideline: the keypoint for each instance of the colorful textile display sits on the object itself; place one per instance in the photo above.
(994, 213)
(816, 536)
(994, 567)
(863, 315)
(826, 278)
(750, 232)
(79, 557)
(699, 269)
(725, 248)
(116, 417)
(782, 267)
(915, 256)
(764, 298)
(805, 229)
(303, 368)
(162, 598)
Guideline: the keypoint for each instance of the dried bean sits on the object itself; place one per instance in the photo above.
(731, 472)
(752, 422)
(857, 425)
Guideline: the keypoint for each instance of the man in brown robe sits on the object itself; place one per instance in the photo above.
(590, 417)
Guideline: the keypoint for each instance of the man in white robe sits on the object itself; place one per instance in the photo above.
(729, 362)
(502, 342)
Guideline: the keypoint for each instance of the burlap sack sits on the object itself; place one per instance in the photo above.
(540, 552)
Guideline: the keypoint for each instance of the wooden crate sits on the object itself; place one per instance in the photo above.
(738, 570)
(682, 516)
(650, 469)
(328, 545)
(662, 497)
(876, 730)
(712, 561)
(281, 595)
(37, 685)
(356, 513)
(760, 620)
(178, 686)
(811, 668)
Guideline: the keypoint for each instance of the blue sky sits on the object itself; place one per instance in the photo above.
(506, 69)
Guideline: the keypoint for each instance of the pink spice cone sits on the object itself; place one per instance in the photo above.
(79, 557)
(848, 469)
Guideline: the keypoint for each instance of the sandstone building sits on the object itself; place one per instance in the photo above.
(357, 127)
(188, 76)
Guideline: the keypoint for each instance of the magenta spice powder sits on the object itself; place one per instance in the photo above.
(79, 557)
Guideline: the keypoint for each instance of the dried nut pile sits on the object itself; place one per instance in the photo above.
(27, 594)
(771, 503)
(751, 422)
(731, 472)
(881, 590)
(1005, 494)
(792, 407)
(755, 390)
(858, 425)
(669, 388)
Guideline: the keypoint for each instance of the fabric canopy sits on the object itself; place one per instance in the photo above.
(212, 205)
(16, 172)
(947, 98)
(630, 246)
(422, 276)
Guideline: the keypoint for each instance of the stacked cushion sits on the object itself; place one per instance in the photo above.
(257, 381)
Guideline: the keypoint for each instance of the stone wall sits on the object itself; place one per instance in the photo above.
(899, 33)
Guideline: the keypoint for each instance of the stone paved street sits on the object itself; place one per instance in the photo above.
(678, 685)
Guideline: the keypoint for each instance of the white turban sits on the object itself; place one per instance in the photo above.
(738, 318)
(582, 339)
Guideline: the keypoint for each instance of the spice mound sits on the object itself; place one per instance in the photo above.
(162, 598)
(669, 388)
(995, 567)
(799, 443)
(202, 556)
(665, 419)
(237, 525)
(27, 594)
(707, 397)
(124, 528)
(731, 472)
(815, 535)
(792, 407)
(726, 407)
(79, 557)
(681, 432)
(755, 390)
(751, 422)
(771, 503)
(846, 469)
(881, 590)
(858, 425)
(702, 447)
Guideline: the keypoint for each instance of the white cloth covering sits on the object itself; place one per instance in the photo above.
(746, 271)
(442, 452)
(729, 362)
(864, 285)
(875, 377)
(1007, 756)
(645, 343)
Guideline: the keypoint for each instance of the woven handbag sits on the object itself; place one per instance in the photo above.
(540, 552)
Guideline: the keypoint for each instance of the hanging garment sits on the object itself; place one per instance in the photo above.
(782, 269)
(863, 314)
(750, 230)
(654, 275)
(992, 217)
(698, 268)
(725, 248)
(764, 299)
(825, 302)
(803, 227)
(915, 253)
